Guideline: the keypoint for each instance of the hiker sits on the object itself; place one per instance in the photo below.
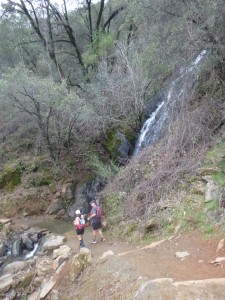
(96, 223)
(80, 224)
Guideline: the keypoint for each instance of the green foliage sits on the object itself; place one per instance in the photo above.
(219, 178)
(112, 143)
(10, 178)
(131, 228)
(39, 181)
(101, 169)
(101, 47)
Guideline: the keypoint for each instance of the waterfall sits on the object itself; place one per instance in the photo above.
(31, 254)
(152, 129)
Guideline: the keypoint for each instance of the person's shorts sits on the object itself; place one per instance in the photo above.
(96, 224)
(80, 231)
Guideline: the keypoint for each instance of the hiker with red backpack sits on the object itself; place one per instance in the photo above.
(79, 224)
(96, 223)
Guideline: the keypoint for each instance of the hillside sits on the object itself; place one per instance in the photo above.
(77, 86)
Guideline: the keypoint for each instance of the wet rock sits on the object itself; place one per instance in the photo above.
(3, 249)
(27, 242)
(34, 237)
(124, 149)
(17, 248)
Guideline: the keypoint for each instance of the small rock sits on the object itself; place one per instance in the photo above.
(5, 221)
(181, 254)
(217, 260)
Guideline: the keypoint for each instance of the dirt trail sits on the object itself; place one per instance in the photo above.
(154, 262)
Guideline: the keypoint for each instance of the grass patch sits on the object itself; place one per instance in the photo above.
(219, 178)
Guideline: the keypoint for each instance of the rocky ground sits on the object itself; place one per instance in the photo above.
(185, 266)
(157, 271)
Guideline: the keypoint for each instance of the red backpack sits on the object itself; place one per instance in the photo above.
(98, 212)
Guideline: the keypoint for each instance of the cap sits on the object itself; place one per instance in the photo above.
(77, 212)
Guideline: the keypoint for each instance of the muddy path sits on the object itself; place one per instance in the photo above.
(153, 262)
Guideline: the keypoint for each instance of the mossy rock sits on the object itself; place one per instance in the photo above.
(114, 140)
(10, 178)
(25, 280)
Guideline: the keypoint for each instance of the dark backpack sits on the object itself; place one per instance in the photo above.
(98, 212)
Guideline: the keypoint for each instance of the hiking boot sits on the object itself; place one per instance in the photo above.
(102, 239)
(93, 242)
(82, 245)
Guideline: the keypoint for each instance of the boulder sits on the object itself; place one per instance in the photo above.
(14, 267)
(212, 191)
(53, 242)
(79, 263)
(6, 282)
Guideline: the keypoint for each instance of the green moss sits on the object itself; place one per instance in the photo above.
(219, 178)
(10, 178)
(26, 280)
(112, 143)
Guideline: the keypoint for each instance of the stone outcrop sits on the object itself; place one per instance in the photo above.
(165, 288)
(79, 262)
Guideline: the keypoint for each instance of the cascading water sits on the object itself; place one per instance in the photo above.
(152, 129)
